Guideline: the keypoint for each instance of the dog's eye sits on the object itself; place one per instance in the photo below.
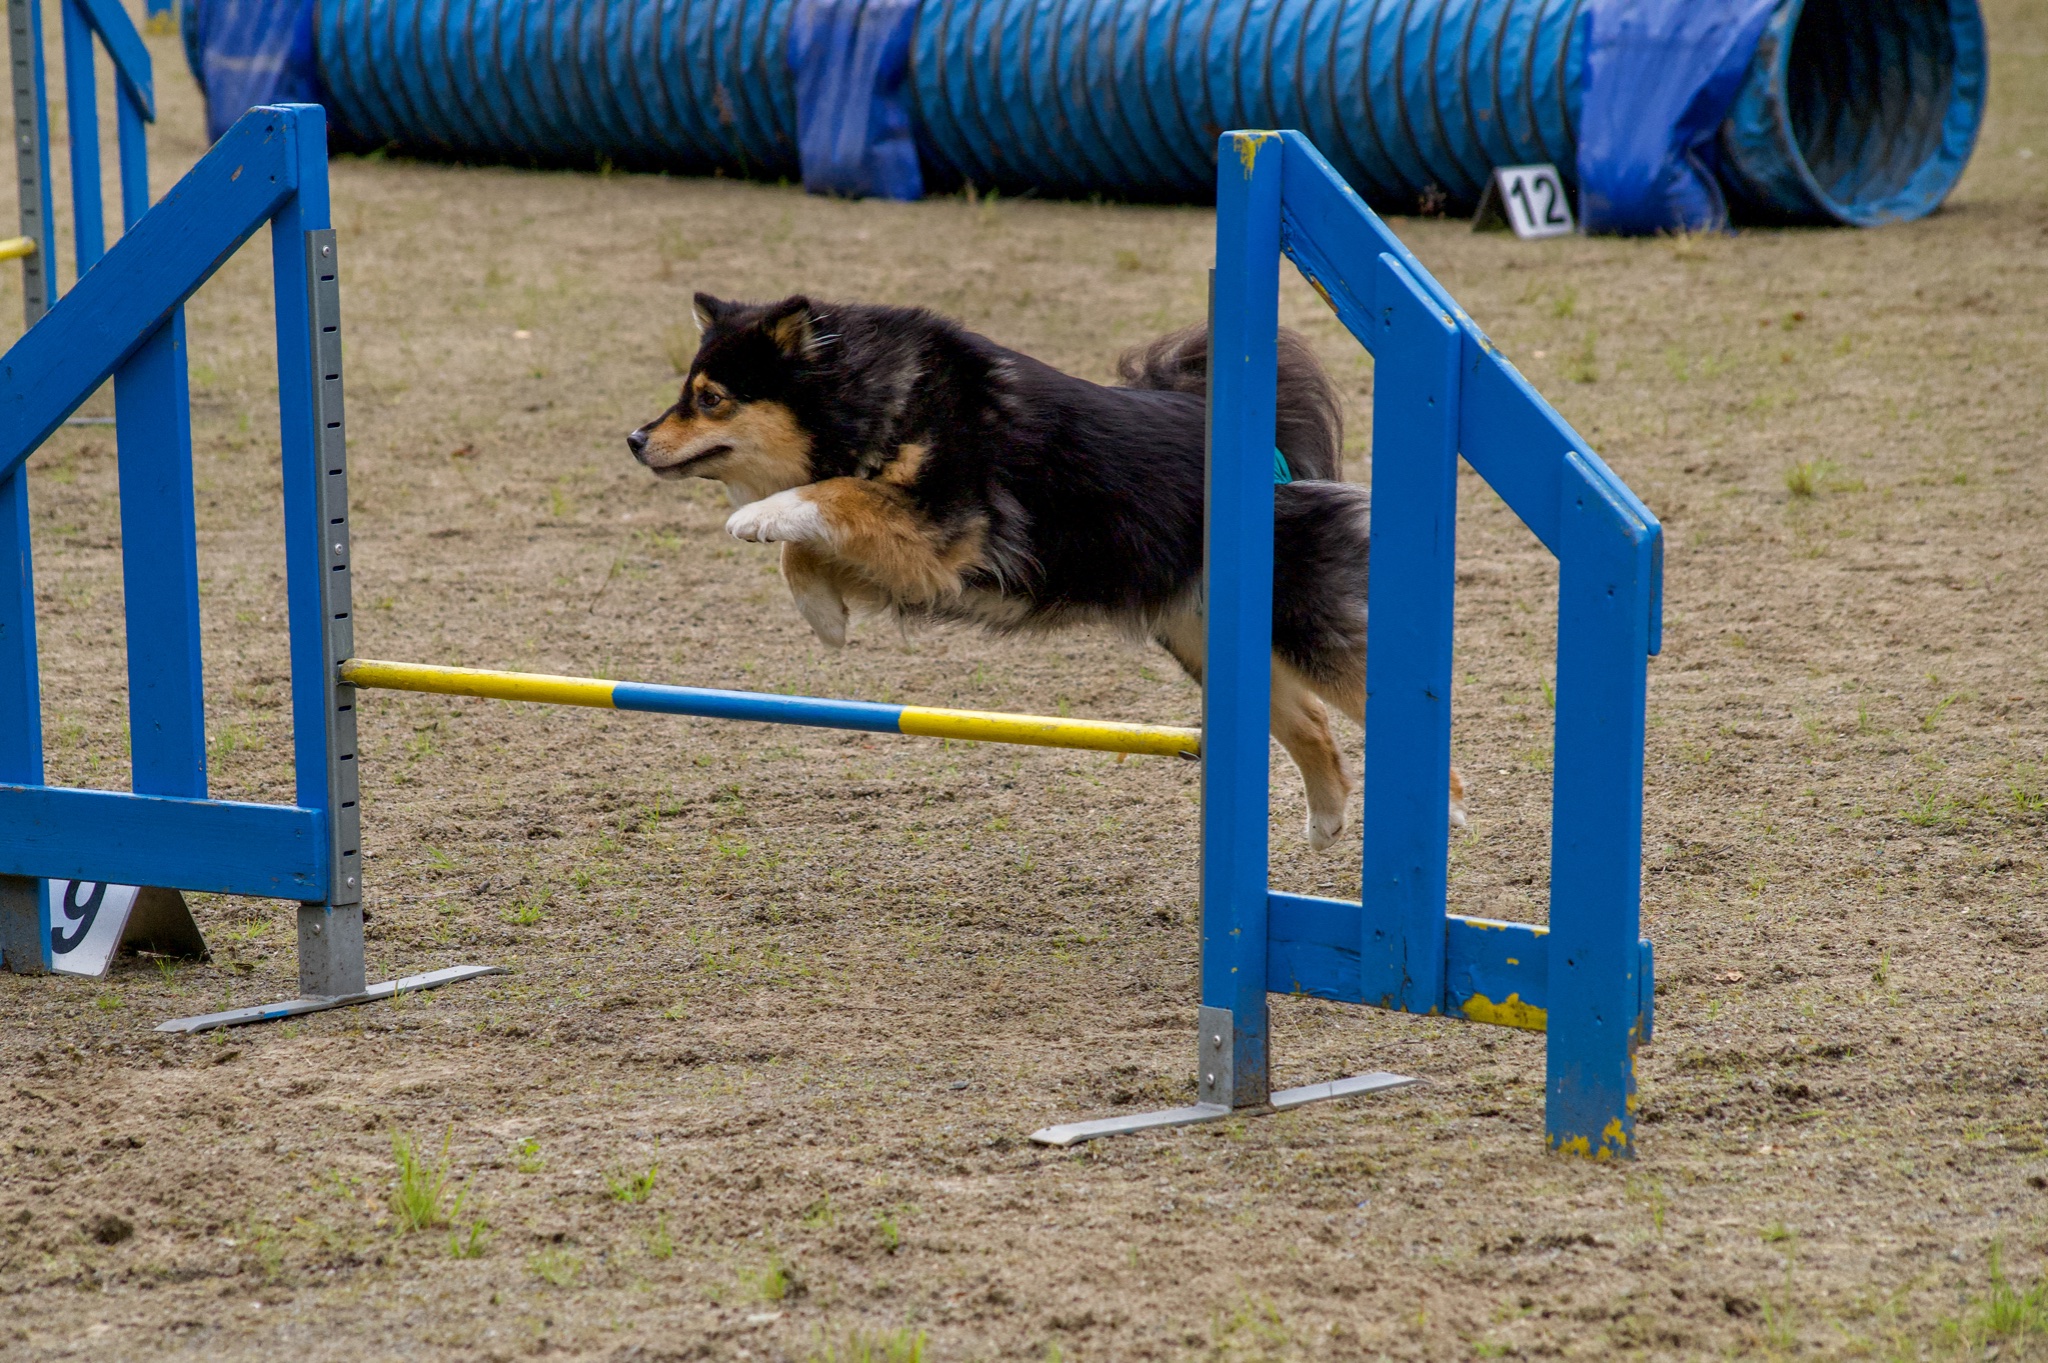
(708, 401)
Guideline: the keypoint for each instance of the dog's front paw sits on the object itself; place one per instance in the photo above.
(1458, 819)
(785, 517)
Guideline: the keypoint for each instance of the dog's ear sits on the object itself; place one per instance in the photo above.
(711, 311)
(792, 326)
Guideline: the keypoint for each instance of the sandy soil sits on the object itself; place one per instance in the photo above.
(783, 1003)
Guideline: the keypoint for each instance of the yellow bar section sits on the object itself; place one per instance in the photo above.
(475, 681)
(14, 248)
(981, 726)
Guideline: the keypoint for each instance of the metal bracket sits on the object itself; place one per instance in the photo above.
(1216, 1094)
(1216, 1053)
(274, 1012)
(31, 170)
(1073, 1133)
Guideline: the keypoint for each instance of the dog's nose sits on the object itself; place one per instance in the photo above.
(637, 443)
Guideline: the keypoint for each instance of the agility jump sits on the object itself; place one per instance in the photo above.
(977, 726)
(1441, 391)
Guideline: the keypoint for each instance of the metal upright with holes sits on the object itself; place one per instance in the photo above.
(331, 931)
(31, 155)
(1440, 390)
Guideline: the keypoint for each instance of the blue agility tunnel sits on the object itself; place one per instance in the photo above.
(1661, 114)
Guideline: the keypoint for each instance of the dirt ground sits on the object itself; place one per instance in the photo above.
(782, 1004)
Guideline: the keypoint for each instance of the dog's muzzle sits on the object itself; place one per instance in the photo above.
(637, 443)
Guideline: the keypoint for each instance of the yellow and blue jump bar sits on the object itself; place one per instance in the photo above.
(979, 726)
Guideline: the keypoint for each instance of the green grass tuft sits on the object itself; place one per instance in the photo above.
(903, 1345)
(630, 1187)
(421, 1199)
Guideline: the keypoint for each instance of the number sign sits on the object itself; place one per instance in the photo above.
(1529, 199)
(90, 923)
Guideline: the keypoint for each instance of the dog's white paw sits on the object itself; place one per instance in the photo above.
(1458, 819)
(1323, 829)
(784, 517)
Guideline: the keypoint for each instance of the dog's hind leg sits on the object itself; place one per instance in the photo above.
(1303, 728)
(817, 591)
(1298, 721)
(1344, 688)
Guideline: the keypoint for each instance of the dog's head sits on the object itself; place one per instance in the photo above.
(737, 420)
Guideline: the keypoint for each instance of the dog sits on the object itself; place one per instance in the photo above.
(910, 467)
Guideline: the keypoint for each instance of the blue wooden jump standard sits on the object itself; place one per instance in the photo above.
(1440, 390)
(124, 319)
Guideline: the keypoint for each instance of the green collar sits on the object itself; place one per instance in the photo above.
(1281, 473)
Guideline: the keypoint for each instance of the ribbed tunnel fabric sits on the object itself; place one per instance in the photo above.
(1857, 111)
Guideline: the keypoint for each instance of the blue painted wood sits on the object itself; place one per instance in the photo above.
(1598, 1003)
(314, 661)
(134, 105)
(1325, 217)
(1509, 434)
(1646, 992)
(21, 706)
(1313, 948)
(160, 566)
(1605, 581)
(1408, 651)
(134, 149)
(1491, 968)
(222, 846)
(125, 46)
(1238, 567)
(149, 272)
(81, 103)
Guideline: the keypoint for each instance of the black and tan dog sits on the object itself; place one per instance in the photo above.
(908, 466)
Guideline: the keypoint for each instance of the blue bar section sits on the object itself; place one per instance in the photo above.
(714, 704)
(175, 249)
(272, 851)
(1408, 651)
(160, 566)
(1238, 573)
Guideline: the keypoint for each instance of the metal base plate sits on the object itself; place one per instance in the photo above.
(1073, 1133)
(275, 1012)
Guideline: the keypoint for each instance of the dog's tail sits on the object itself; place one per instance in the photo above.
(1309, 428)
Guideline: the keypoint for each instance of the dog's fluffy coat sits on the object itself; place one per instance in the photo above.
(907, 465)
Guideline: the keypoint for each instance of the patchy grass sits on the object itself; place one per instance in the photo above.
(421, 1198)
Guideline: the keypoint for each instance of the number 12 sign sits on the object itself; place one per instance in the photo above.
(1529, 199)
